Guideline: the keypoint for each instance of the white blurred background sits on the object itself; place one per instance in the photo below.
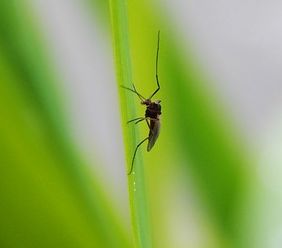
(239, 45)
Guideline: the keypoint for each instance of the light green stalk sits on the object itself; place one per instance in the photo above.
(136, 181)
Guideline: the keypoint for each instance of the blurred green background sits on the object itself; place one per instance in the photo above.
(213, 178)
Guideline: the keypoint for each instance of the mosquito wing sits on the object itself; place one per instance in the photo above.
(154, 133)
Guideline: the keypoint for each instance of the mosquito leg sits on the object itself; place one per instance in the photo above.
(135, 119)
(144, 118)
(157, 61)
(131, 169)
(139, 119)
(148, 118)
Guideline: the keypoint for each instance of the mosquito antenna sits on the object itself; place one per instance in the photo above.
(157, 61)
(142, 98)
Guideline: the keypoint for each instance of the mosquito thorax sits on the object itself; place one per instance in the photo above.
(153, 109)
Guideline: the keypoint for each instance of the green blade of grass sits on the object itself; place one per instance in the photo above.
(136, 181)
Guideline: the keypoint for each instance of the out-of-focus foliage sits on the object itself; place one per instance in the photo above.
(196, 137)
(49, 198)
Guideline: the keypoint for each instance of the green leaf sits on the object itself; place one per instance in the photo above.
(136, 180)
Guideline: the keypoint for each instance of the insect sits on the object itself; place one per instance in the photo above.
(152, 113)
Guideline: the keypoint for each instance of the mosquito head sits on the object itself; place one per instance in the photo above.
(146, 102)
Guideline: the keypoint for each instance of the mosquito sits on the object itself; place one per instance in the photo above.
(152, 112)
